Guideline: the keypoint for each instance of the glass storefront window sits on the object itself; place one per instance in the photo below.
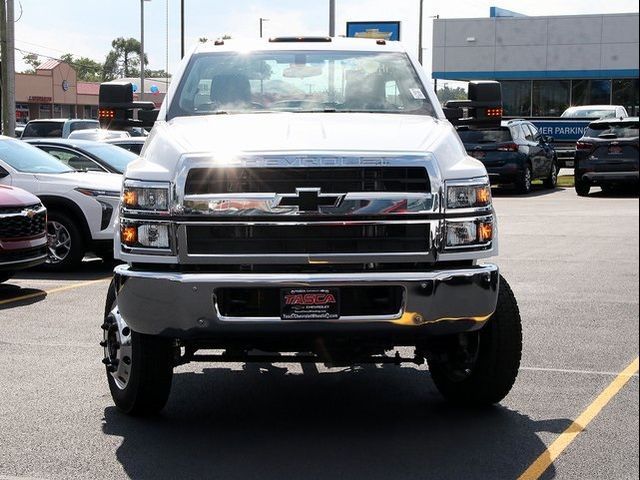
(550, 97)
(516, 98)
(625, 93)
(591, 92)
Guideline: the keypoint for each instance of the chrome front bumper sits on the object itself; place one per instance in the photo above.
(183, 305)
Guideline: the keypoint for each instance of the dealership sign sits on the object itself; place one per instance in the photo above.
(381, 30)
(562, 129)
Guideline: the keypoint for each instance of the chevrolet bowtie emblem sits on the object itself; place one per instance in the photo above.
(29, 213)
(309, 199)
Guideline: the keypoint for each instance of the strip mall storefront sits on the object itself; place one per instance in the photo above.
(54, 92)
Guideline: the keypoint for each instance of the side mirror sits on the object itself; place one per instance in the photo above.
(116, 107)
(483, 108)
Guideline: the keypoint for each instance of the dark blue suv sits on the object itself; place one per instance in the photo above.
(516, 153)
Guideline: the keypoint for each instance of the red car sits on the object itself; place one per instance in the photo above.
(23, 223)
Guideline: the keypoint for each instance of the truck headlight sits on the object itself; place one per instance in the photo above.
(145, 196)
(468, 196)
(143, 235)
(469, 233)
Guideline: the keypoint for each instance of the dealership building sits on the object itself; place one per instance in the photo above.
(545, 64)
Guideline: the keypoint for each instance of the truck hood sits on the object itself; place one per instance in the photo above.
(269, 133)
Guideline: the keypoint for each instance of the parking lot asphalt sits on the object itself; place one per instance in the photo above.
(573, 265)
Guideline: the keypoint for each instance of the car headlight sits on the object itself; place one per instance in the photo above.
(145, 196)
(469, 233)
(145, 235)
(468, 196)
(90, 192)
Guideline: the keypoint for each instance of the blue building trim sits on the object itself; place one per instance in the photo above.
(536, 75)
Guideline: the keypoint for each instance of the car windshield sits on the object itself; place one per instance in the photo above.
(614, 129)
(300, 81)
(501, 135)
(118, 158)
(26, 158)
(589, 113)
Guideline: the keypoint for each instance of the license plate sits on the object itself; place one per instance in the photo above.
(478, 155)
(310, 303)
(568, 163)
(615, 149)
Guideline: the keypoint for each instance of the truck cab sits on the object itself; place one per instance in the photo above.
(309, 199)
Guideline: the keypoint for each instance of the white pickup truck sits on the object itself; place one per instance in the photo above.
(307, 199)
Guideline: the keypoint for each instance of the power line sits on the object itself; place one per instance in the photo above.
(73, 64)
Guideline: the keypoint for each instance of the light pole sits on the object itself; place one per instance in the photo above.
(332, 18)
(262, 20)
(142, 48)
(420, 32)
(181, 29)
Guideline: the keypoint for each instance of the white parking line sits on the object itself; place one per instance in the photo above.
(566, 370)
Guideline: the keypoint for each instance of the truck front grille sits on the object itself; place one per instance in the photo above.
(306, 239)
(21, 226)
(202, 181)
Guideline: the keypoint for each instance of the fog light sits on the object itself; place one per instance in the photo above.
(461, 233)
(156, 236)
(129, 235)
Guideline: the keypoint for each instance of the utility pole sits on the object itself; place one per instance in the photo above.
(181, 29)
(142, 48)
(7, 34)
(420, 32)
(262, 20)
(332, 18)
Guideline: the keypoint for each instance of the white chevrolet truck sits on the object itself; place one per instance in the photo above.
(306, 200)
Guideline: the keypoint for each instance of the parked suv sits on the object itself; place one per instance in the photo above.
(607, 155)
(56, 127)
(81, 205)
(23, 221)
(516, 153)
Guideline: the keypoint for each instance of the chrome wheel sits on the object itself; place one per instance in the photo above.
(117, 348)
(58, 242)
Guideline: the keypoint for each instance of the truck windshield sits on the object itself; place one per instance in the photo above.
(300, 81)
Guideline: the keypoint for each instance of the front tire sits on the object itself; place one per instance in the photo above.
(65, 242)
(139, 367)
(480, 368)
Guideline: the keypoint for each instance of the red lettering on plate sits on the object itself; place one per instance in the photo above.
(310, 299)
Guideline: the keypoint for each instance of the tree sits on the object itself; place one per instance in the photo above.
(123, 60)
(149, 73)
(32, 60)
(87, 70)
(445, 93)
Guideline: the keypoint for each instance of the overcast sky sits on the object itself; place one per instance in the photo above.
(87, 27)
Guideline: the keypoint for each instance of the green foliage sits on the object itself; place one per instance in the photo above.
(123, 60)
(87, 70)
(32, 60)
(445, 93)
